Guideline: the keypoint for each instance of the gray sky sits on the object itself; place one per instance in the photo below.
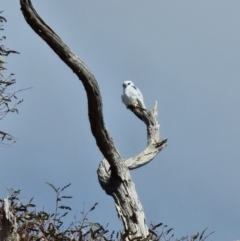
(184, 54)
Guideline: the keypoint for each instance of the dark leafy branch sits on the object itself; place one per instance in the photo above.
(38, 225)
(8, 98)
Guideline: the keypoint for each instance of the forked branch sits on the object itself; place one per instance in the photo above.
(149, 117)
(115, 179)
(154, 144)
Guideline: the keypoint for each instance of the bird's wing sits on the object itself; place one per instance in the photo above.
(139, 97)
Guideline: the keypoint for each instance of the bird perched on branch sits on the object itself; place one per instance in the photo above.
(132, 96)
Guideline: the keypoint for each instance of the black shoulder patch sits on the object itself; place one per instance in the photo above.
(134, 87)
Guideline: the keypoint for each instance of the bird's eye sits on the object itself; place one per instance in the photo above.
(128, 83)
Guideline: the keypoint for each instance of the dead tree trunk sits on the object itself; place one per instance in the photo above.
(113, 171)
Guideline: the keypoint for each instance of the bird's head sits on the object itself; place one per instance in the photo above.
(127, 83)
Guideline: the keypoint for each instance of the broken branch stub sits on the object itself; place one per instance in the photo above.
(8, 223)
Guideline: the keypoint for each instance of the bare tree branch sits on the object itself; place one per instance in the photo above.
(149, 117)
(103, 139)
(113, 173)
(154, 144)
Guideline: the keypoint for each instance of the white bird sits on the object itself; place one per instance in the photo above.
(132, 96)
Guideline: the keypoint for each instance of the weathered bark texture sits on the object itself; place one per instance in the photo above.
(154, 144)
(8, 223)
(114, 175)
(125, 198)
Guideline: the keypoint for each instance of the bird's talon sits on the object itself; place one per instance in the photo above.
(135, 105)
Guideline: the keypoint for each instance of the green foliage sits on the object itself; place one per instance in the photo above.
(33, 225)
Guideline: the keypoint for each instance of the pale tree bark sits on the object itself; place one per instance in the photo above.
(8, 231)
(113, 171)
(126, 200)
